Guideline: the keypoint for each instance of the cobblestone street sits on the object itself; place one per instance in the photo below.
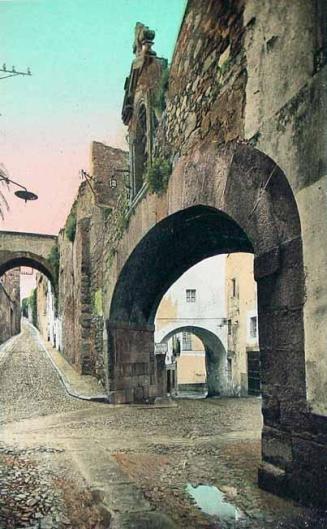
(61, 458)
(29, 383)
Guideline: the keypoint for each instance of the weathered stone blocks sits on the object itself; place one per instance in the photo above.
(130, 367)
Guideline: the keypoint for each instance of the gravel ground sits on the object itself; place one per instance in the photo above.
(28, 497)
(40, 492)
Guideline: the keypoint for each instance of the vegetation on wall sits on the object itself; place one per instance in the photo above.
(97, 302)
(30, 304)
(70, 229)
(32, 300)
(25, 304)
(157, 175)
(117, 222)
(54, 259)
(159, 99)
(225, 67)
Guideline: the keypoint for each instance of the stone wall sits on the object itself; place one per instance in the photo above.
(109, 168)
(9, 304)
(206, 96)
(286, 114)
(72, 254)
(82, 259)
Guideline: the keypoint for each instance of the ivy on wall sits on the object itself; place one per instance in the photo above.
(157, 175)
(54, 260)
(33, 304)
(159, 97)
(117, 222)
(25, 303)
(70, 229)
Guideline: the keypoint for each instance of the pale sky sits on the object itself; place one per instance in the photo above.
(79, 52)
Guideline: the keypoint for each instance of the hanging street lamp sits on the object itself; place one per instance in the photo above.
(23, 192)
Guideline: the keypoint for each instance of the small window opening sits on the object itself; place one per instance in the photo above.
(187, 341)
(190, 295)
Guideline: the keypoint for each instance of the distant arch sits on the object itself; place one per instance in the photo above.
(27, 249)
(215, 357)
(9, 260)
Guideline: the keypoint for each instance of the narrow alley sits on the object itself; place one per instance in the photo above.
(67, 463)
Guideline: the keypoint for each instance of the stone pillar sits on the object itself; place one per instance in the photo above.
(135, 373)
(294, 452)
(215, 376)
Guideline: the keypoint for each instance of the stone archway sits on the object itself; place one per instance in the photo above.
(215, 357)
(221, 200)
(233, 199)
(27, 249)
(9, 260)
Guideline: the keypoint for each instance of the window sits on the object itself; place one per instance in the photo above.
(190, 295)
(187, 341)
(253, 327)
(176, 346)
(229, 326)
(234, 287)
(229, 368)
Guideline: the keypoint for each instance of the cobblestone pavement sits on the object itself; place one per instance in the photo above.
(54, 440)
(29, 385)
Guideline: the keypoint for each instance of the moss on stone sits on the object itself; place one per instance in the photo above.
(70, 229)
(97, 302)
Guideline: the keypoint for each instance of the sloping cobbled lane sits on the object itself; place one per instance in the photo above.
(34, 492)
(30, 387)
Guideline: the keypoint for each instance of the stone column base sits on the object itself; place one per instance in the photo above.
(295, 464)
(136, 374)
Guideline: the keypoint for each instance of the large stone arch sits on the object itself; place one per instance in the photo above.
(222, 199)
(215, 356)
(219, 201)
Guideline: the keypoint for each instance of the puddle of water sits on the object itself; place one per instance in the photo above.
(212, 501)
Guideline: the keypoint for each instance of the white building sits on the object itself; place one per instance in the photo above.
(193, 312)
